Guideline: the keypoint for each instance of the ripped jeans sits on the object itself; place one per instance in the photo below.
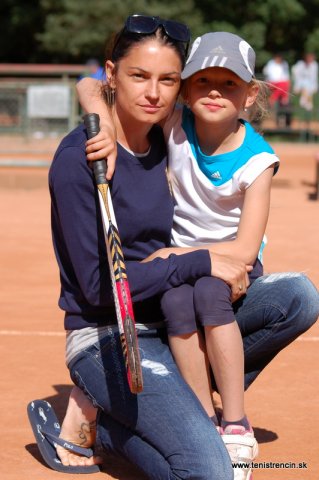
(164, 430)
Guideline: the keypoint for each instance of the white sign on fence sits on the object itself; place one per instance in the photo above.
(48, 101)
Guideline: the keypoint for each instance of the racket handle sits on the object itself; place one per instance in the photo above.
(92, 124)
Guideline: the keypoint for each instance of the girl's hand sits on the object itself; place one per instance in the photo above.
(103, 146)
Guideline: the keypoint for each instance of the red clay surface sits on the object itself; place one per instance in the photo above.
(282, 404)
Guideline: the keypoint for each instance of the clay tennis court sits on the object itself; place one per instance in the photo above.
(283, 403)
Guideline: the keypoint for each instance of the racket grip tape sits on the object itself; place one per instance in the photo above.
(92, 124)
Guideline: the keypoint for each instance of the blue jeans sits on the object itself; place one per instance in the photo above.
(164, 430)
(276, 310)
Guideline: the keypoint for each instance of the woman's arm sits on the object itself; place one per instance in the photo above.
(251, 229)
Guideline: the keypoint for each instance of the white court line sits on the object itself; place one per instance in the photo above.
(24, 163)
(20, 333)
(308, 339)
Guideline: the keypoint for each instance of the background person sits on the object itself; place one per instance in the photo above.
(94, 70)
(305, 80)
(277, 74)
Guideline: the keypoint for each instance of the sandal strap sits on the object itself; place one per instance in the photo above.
(72, 447)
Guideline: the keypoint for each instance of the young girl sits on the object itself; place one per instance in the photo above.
(220, 171)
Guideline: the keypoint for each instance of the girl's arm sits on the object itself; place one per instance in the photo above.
(252, 223)
(103, 145)
(251, 228)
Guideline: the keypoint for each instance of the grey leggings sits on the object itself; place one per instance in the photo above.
(207, 302)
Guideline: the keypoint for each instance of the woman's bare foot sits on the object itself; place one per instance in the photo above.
(78, 427)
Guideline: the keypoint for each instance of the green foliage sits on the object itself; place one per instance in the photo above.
(74, 30)
(312, 43)
(80, 28)
(19, 22)
(280, 12)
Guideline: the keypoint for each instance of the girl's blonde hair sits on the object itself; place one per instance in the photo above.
(260, 108)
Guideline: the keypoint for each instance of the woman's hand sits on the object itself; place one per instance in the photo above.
(103, 146)
(234, 272)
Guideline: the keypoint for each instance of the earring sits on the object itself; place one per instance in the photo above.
(110, 96)
(245, 109)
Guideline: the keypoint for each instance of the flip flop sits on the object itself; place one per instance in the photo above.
(46, 429)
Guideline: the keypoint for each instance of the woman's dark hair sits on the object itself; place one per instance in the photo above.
(125, 40)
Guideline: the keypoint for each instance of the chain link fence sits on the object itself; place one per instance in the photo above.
(38, 108)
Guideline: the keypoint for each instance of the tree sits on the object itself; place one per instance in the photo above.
(263, 23)
(77, 29)
(73, 30)
(19, 22)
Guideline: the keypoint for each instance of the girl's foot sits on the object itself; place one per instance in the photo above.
(242, 447)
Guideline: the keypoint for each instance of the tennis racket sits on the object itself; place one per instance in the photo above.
(120, 286)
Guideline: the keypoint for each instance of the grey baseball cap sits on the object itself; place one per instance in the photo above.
(221, 49)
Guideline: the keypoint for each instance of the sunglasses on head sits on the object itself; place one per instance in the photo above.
(146, 25)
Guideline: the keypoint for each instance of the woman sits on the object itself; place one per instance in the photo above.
(164, 430)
